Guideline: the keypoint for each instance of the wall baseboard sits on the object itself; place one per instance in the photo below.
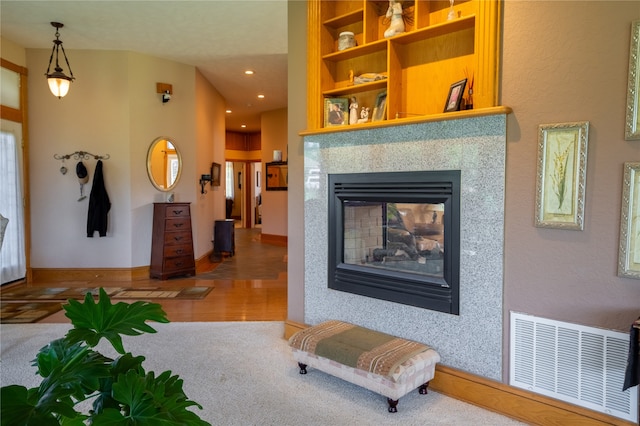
(89, 274)
(103, 274)
(274, 239)
(500, 398)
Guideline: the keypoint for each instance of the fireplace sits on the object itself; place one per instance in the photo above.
(395, 236)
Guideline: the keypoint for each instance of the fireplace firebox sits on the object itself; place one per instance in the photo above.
(396, 236)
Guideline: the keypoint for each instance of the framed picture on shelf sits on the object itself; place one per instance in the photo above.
(456, 92)
(562, 171)
(215, 174)
(380, 108)
(632, 128)
(629, 252)
(336, 112)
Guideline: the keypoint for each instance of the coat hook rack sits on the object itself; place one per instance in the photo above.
(81, 155)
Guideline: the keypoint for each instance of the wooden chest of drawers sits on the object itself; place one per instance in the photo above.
(171, 241)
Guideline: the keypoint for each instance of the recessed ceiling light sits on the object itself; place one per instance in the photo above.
(249, 72)
(228, 111)
(260, 96)
(243, 126)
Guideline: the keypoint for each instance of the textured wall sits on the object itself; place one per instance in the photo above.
(471, 341)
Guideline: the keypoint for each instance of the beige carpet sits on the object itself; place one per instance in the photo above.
(242, 373)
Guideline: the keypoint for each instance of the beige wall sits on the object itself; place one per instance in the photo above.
(210, 136)
(568, 61)
(117, 113)
(274, 203)
(297, 120)
(12, 52)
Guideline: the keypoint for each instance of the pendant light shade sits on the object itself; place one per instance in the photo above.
(58, 81)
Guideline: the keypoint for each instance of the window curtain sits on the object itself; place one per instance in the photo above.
(12, 252)
(229, 180)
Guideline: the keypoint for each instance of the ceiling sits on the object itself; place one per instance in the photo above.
(221, 38)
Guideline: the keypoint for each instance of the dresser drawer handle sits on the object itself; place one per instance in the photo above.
(178, 225)
(179, 251)
(177, 212)
(179, 263)
(178, 238)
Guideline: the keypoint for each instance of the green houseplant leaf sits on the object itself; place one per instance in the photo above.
(93, 321)
(72, 371)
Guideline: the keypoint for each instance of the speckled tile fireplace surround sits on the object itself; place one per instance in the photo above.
(471, 341)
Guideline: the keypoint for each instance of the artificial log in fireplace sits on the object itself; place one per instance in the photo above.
(396, 236)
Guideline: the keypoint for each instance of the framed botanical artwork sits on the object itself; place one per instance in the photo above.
(562, 171)
(336, 112)
(380, 108)
(456, 92)
(215, 174)
(632, 128)
(629, 252)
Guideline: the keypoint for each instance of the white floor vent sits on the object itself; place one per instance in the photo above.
(581, 365)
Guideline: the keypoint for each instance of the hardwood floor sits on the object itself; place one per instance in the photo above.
(255, 299)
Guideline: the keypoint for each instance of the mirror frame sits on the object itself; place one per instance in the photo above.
(155, 142)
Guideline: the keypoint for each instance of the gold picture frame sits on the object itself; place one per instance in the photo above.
(629, 252)
(632, 128)
(562, 171)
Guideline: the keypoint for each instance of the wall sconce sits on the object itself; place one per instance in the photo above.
(166, 90)
(58, 82)
(204, 179)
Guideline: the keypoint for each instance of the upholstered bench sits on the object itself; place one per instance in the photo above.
(385, 364)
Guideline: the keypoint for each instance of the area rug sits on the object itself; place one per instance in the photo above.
(243, 373)
(26, 312)
(64, 293)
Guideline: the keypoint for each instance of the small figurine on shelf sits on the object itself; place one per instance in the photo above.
(353, 111)
(452, 13)
(364, 115)
(397, 22)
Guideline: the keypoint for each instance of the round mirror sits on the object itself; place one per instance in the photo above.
(164, 164)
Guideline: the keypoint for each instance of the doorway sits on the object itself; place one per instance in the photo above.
(244, 192)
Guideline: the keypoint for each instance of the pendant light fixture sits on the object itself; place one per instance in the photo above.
(58, 82)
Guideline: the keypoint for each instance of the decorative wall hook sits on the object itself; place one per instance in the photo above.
(81, 155)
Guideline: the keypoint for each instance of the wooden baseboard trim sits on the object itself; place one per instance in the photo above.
(513, 402)
(274, 239)
(500, 398)
(89, 274)
(292, 327)
(203, 264)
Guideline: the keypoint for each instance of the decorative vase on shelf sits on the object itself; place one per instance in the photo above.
(452, 13)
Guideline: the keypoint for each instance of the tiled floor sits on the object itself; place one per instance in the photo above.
(250, 286)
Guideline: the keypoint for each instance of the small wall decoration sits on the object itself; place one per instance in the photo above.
(380, 107)
(562, 170)
(632, 128)
(629, 252)
(215, 174)
(336, 112)
(456, 92)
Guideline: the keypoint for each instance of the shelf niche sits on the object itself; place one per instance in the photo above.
(420, 64)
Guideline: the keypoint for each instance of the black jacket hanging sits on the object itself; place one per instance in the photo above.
(99, 205)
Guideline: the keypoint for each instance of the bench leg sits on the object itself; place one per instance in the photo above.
(303, 368)
(393, 403)
(423, 389)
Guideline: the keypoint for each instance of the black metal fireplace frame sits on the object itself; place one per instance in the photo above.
(429, 292)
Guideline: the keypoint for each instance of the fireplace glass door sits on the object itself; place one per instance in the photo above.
(396, 236)
(405, 237)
